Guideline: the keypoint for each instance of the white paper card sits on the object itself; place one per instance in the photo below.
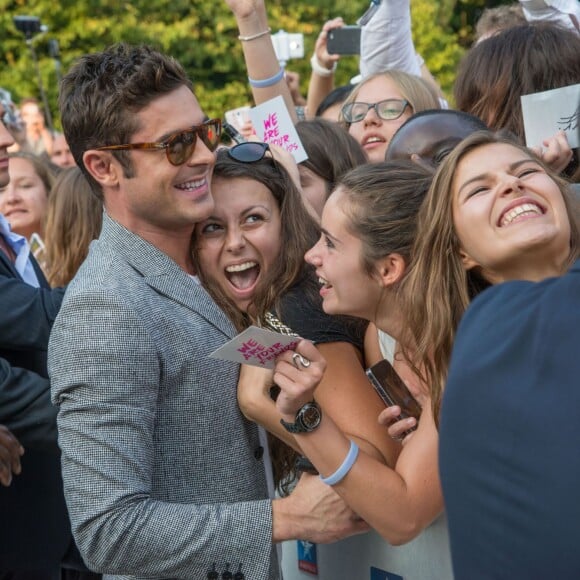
(272, 123)
(256, 346)
(548, 112)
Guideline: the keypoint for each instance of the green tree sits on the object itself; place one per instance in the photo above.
(202, 35)
(436, 41)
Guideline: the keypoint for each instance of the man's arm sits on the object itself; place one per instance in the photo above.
(25, 407)
(386, 41)
(106, 371)
(27, 313)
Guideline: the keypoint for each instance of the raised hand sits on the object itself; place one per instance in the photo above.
(246, 8)
(325, 59)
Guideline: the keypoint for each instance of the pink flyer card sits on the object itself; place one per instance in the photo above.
(273, 125)
(256, 346)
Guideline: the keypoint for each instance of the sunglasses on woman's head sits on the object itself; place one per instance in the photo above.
(249, 152)
(179, 146)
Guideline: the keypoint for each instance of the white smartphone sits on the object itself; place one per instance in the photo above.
(238, 117)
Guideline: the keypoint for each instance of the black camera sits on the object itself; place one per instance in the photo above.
(28, 25)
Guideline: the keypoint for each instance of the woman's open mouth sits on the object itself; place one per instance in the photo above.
(243, 276)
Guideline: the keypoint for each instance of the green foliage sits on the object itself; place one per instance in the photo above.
(202, 35)
(435, 41)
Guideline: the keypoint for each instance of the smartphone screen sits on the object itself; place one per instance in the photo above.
(392, 390)
(345, 40)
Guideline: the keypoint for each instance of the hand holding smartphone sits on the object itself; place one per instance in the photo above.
(393, 391)
(233, 133)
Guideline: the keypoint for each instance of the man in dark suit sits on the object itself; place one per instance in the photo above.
(35, 535)
(510, 433)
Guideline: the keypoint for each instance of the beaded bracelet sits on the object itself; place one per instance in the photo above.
(344, 468)
(264, 83)
(255, 36)
(321, 70)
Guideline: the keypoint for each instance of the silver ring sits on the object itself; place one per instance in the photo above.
(300, 361)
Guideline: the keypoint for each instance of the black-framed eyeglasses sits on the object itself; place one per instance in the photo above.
(179, 147)
(249, 152)
(388, 110)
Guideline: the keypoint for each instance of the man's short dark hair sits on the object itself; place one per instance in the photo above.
(432, 134)
(102, 93)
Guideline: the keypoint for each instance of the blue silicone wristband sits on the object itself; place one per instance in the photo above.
(345, 467)
(265, 83)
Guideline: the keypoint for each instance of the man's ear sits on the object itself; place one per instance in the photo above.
(102, 166)
(467, 261)
(426, 163)
(391, 269)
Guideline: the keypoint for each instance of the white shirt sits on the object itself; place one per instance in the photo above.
(386, 41)
(563, 12)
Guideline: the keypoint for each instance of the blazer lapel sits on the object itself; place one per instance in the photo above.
(185, 291)
(39, 273)
(163, 274)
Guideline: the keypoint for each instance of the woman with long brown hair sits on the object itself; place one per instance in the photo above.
(444, 277)
(73, 221)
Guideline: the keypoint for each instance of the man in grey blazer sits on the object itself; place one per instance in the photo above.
(163, 475)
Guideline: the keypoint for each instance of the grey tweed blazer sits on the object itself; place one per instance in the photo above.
(162, 474)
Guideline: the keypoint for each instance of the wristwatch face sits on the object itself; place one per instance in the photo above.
(307, 419)
(310, 416)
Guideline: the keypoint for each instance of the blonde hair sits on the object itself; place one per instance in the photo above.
(414, 90)
(74, 219)
(438, 289)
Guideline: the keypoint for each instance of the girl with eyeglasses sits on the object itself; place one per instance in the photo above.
(380, 104)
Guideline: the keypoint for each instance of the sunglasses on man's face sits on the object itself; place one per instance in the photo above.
(180, 146)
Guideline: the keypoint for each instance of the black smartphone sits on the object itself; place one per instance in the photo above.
(233, 133)
(392, 390)
(345, 40)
